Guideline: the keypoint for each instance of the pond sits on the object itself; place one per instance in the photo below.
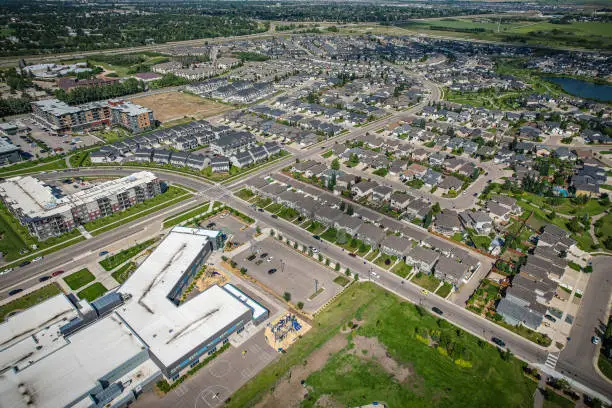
(583, 89)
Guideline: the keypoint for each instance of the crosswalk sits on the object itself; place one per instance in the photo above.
(551, 360)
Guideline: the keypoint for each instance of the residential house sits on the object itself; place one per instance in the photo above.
(396, 246)
(450, 271)
(447, 223)
(423, 259)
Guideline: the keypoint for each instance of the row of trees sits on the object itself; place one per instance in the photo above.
(96, 93)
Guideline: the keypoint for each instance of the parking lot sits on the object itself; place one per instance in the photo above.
(292, 273)
(240, 232)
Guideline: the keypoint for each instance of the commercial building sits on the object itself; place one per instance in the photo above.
(46, 213)
(9, 153)
(62, 118)
(106, 353)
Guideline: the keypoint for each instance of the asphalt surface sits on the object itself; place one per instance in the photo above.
(578, 358)
(524, 349)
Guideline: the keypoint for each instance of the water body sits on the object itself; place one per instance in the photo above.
(583, 89)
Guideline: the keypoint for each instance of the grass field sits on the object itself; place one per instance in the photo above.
(79, 279)
(576, 34)
(29, 300)
(92, 292)
(422, 361)
(169, 106)
(402, 269)
(605, 365)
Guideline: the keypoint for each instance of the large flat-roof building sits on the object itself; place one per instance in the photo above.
(105, 353)
(47, 214)
(62, 118)
(9, 153)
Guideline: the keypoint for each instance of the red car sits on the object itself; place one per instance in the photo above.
(56, 273)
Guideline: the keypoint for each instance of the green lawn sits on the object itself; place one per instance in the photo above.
(124, 272)
(113, 261)
(605, 365)
(341, 280)
(385, 261)
(29, 300)
(46, 164)
(316, 228)
(79, 279)
(372, 255)
(262, 202)
(330, 235)
(288, 213)
(187, 214)
(425, 281)
(436, 379)
(555, 400)
(327, 154)
(92, 292)
(244, 194)
(402, 269)
(444, 290)
(274, 208)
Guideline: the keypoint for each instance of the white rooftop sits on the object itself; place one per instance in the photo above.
(169, 330)
(37, 200)
(72, 370)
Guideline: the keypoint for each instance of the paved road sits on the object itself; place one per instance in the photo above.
(578, 358)
(461, 317)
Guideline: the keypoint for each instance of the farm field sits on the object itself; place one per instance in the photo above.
(395, 353)
(170, 106)
(595, 35)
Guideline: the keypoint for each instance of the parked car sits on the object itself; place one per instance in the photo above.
(314, 250)
(38, 258)
(498, 341)
(210, 225)
(270, 259)
(352, 254)
(437, 310)
(251, 257)
(425, 292)
(103, 253)
(265, 254)
(549, 317)
(260, 209)
(14, 292)
(595, 340)
(318, 238)
(7, 270)
(57, 273)
(271, 271)
(44, 278)
(24, 263)
(274, 216)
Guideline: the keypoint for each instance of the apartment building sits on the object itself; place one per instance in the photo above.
(47, 214)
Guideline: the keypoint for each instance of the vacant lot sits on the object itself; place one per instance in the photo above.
(396, 353)
(176, 105)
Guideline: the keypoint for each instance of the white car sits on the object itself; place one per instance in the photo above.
(270, 259)
(314, 250)
(4, 272)
(38, 258)
(595, 340)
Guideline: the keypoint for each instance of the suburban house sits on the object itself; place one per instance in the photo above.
(451, 271)
(395, 246)
(423, 259)
(447, 223)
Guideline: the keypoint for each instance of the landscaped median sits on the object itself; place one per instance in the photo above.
(113, 261)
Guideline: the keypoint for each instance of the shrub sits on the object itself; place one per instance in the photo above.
(287, 296)
(300, 305)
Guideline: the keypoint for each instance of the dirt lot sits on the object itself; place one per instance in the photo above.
(170, 106)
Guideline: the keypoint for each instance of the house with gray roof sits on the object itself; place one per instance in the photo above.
(421, 258)
(370, 234)
(450, 271)
(347, 223)
(396, 245)
(447, 223)
(327, 215)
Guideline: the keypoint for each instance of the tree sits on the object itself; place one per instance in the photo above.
(347, 272)
(300, 305)
(243, 270)
(335, 165)
(287, 296)
(350, 210)
(427, 220)
(573, 225)
(436, 208)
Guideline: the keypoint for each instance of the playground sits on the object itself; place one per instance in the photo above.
(284, 331)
